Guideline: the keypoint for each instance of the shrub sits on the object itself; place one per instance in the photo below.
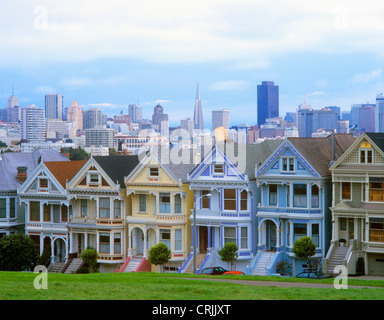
(159, 254)
(284, 267)
(304, 248)
(228, 253)
(89, 256)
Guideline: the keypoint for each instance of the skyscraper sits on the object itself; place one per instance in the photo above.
(13, 110)
(267, 101)
(198, 121)
(32, 124)
(75, 115)
(135, 112)
(379, 115)
(54, 106)
(220, 118)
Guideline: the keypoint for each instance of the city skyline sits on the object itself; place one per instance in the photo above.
(93, 54)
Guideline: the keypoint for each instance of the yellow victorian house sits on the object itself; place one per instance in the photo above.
(161, 205)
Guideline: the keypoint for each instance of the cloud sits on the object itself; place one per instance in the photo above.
(315, 93)
(366, 77)
(229, 85)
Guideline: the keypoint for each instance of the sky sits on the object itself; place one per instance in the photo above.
(109, 54)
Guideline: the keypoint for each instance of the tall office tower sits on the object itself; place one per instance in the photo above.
(379, 115)
(13, 110)
(187, 124)
(93, 118)
(367, 118)
(267, 101)
(54, 106)
(355, 115)
(135, 112)
(75, 115)
(198, 121)
(324, 119)
(160, 119)
(305, 122)
(32, 124)
(220, 118)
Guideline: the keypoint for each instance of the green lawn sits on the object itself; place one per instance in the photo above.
(154, 286)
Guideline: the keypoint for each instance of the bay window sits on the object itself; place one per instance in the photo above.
(230, 199)
(376, 189)
(165, 203)
(104, 208)
(229, 234)
(104, 243)
(300, 195)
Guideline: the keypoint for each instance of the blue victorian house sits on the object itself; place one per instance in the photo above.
(296, 193)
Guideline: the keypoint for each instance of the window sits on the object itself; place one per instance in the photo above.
(165, 203)
(218, 168)
(376, 189)
(300, 195)
(288, 164)
(272, 194)
(299, 230)
(84, 207)
(117, 209)
(244, 238)
(165, 237)
(244, 200)
(13, 207)
(229, 199)
(34, 214)
(315, 234)
(3, 208)
(64, 213)
(117, 243)
(104, 208)
(43, 183)
(376, 229)
(47, 212)
(346, 191)
(204, 200)
(104, 243)
(177, 204)
(343, 224)
(366, 154)
(142, 203)
(93, 178)
(153, 172)
(178, 239)
(315, 196)
(229, 235)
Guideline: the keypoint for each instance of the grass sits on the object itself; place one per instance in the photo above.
(154, 286)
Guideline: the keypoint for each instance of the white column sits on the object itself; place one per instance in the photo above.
(41, 244)
(8, 207)
(41, 212)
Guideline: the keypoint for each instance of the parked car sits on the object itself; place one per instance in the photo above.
(312, 274)
(234, 272)
(213, 271)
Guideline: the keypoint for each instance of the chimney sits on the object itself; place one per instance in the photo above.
(21, 174)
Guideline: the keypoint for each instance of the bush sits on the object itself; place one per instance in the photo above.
(83, 269)
(46, 256)
(228, 253)
(18, 253)
(304, 248)
(89, 256)
(284, 267)
(159, 254)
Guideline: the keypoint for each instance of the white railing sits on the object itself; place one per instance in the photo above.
(46, 225)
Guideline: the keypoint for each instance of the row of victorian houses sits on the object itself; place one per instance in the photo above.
(262, 197)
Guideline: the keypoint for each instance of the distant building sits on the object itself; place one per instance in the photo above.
(379, 115)
(160, 120)
(55, 128)
(99, 136)
(54, 106)
(267, 101)
(32, 124)
(75, 115)
(135, 112)
(367, 118)
(198, 119)
(220, 118)
(94, 118)
(13, 110)
(187, 124)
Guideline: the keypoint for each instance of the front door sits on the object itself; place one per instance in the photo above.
(271, 236)
(203, 239)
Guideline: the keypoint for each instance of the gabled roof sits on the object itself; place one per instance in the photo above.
(377, 139)
(318, 151)
(11, 160)
(117, 167)
(64, 171)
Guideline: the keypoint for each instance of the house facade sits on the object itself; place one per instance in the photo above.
(226, 174)
(296, 192)
(160, 203)
(358, 207)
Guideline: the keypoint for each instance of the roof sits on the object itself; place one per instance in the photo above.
(117, 167)
(377, 139)
(318, 151)
(64, 171)
(11, 160)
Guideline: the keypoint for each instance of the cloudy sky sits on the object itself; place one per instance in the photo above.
(117, 52)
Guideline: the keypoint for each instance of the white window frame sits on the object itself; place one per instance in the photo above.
(288, 159)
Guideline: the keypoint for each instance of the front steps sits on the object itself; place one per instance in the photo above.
(265, 260)
(133, 264)
(199, 260)
(56, 267)
(338, 255)
(74, 265)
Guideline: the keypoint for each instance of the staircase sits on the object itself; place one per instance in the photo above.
(199, 260)
(133, 264)
(338, 255)
(56, 267)
(74, 265)
(265, 259)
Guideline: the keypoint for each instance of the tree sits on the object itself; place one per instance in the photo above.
(159, 254)
(228, 253)
(304, 248)
(78, 154)
(18, 253)
(90, 256)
